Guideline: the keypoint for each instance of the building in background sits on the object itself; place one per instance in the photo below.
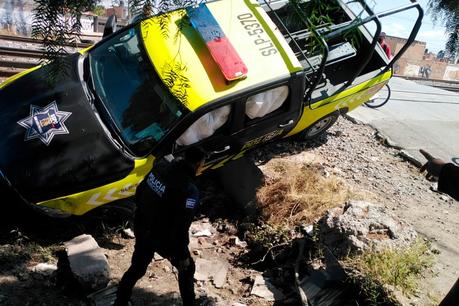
(120, 11)
(419, 62)
(16, 18)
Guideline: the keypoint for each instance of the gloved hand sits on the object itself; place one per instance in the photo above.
(433, 166)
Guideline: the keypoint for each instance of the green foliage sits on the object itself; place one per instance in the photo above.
(447, 11)
(99, 10)
(266, 236)
(375, 271)
(319, 16)
(14, 255)
(57, 24)
(151, 7)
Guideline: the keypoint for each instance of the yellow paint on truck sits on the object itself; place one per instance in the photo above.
(174, 45)
(17, 76)
(348, 99)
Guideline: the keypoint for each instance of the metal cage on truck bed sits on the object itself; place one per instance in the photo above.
(326, 50)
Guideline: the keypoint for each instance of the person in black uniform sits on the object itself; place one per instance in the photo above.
(166, 203)
(447, 175)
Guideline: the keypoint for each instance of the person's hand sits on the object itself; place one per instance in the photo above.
(433, 166)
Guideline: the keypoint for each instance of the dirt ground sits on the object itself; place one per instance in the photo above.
(350, 151)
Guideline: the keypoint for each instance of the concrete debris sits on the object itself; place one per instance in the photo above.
(203, 229)
(215, 271)
(88, 262)
(203, 233)
(44, 269)
(103, 297)
(234, 241)
(319, 286)
(238, 304)
(228, 228)
(263, 288)
(359, 225)
(309, 228)
(128, 233)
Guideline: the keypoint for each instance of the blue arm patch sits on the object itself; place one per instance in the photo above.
(192, 199)
(190, 203)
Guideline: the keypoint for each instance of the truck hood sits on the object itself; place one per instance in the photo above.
(53, 143)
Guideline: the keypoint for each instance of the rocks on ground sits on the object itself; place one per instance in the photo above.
(87, 262)
(357, 226)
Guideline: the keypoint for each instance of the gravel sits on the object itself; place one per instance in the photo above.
(357, 153)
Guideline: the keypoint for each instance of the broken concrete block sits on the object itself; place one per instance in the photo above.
(234, 241)
(359, 225)
(203, 233)
(200, 228)
(88, 262)
(215, 271)
(128, 233)
(263, 288)
(44, 269)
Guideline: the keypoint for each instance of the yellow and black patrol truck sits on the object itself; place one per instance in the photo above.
(157, 87)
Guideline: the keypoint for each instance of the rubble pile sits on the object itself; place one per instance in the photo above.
(357, 226)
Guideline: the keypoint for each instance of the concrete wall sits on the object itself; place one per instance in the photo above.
(414, 58)
(415, 51)
(451, 73)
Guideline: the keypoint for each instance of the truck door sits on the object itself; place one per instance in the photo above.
(268, 113)
(254, 118)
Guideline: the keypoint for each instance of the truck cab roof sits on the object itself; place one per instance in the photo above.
(176, 48)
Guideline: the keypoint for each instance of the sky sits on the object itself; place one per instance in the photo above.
(401, 25)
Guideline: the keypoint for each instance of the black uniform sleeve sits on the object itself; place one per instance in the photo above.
(188, 206)
(448, 182)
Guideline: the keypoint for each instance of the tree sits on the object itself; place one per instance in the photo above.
(99, 10)
(57, 23)
(447, 11)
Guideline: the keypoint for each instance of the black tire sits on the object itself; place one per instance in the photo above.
(379, 102)
(319, 127)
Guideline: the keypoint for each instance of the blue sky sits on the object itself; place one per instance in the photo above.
(400, 25)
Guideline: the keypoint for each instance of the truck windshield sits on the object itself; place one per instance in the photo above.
(126, 83)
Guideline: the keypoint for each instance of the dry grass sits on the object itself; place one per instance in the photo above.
(300, 193)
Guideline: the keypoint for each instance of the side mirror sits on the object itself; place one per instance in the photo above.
(110, 26)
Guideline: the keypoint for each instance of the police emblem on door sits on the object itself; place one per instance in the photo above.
(45, 122)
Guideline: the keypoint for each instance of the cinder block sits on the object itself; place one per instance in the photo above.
(88, 262)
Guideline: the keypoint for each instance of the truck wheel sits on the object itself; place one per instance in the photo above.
(319, 127)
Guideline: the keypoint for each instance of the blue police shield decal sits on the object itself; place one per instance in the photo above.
(45, 122)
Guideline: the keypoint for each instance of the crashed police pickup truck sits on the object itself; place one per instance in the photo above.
(226, 76)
